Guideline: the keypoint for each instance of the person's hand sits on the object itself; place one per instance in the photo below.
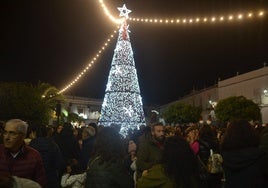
(145, 173)
(68, 169)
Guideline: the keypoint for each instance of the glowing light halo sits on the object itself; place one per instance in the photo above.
(110, 16)
(89, 65)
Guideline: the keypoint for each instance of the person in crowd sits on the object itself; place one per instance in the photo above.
(88, 137)
(77, 132)
(9, 181)
(50, 153)
(220, 134)
(178, 167)
(95, 126)
(18, 159)
(264, 139)
(131, 158)
(106, 167)
(150, 149)
(1, 131)
(178, 131)
(74, 176)
(208, 142)
(143, 134)
(50, 131)
(56, 135)
(67, 143)
(192, 134)
(244, 163)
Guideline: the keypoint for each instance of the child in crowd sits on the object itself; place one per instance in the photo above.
(74, 177)
(192, 138)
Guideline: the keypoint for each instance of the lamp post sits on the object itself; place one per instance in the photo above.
(58, 112)
(265, 92)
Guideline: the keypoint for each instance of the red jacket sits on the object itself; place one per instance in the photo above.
(27, 164)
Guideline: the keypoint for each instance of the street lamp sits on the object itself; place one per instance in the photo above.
(212, 103)
(265, 92)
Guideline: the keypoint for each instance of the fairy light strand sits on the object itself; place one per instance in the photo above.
(204, 19)
(90, 64)
(228, 18)
(110, 16)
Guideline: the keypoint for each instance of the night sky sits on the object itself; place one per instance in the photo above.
(53, 40)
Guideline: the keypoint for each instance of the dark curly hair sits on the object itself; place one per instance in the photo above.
(239, 134)
(180, 163)
(109, 145)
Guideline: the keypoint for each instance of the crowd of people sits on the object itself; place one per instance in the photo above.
(153, 156)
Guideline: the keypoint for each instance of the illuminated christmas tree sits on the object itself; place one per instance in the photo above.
(122, 104)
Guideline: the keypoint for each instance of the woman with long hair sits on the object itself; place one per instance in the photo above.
(106, 167)
(244, 163)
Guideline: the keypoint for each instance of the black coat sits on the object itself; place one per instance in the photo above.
(103, 174)
(247, 168)
(86, 151)
(52, 159)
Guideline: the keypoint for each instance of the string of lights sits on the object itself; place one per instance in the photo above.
(110, 16)
(205, 19)
(89, 65)
(250, 15)
(245, 15)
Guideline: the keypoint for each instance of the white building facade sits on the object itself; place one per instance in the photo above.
(88, 108)
(252, 85)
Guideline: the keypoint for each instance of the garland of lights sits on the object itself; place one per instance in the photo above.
(250, 15)
(89, 65)
(205, 19)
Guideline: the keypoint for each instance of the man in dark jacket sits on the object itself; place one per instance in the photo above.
(50, 153)
(150, 149)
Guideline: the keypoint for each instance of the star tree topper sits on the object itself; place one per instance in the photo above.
(124, 11)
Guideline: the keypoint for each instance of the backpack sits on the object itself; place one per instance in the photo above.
(214, 165)
(211, 160)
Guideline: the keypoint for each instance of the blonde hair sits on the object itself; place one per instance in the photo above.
(21, 126)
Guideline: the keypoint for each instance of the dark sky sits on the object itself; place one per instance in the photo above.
(53, 40)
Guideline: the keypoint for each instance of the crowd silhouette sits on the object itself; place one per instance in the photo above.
(155, 155)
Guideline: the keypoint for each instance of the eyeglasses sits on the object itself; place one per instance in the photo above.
(11, 133)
